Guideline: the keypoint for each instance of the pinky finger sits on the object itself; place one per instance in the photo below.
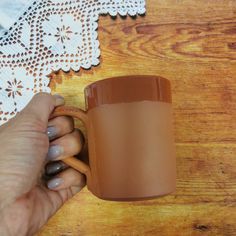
(69, 178)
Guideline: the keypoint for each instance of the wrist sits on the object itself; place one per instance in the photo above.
(13, 221)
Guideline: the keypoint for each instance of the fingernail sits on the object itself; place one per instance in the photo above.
(54, 183)
(54, 168)
(59, 99)
(54, 151)
(52, 132)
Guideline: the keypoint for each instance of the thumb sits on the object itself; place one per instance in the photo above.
(42, 105)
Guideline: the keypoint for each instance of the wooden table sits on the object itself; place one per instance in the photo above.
(193, 44)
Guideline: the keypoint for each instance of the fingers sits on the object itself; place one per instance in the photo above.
(42, 105)
(60, 126)
(60, 189)
(53, 168)
(66, 146)
(69, 178)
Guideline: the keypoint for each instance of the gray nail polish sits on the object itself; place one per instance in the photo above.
(54, 183)
(55, 167)
(54, 151)
(52, 132)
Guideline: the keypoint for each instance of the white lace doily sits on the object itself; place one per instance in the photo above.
(48, 36)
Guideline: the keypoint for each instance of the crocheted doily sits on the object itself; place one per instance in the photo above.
(51, 35)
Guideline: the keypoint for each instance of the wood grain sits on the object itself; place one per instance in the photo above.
(193, 44)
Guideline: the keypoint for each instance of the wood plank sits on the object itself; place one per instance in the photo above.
(205, 202)
(130, 220)
(193, 44)
(196, 58)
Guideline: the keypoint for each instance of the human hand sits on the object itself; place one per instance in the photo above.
(28, 142)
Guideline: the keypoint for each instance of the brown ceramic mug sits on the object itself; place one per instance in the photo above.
(130, 138)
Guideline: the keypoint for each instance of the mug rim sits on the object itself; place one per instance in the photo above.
(126, 89)
(127, 77)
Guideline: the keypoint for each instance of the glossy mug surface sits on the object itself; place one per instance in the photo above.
(130, 138)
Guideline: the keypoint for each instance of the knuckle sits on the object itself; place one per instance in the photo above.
(64, 123)
(82, 138)
(68, 123)
(74, 140)
(76, 133)
(82, 181)
(78, 178)
(79, 135)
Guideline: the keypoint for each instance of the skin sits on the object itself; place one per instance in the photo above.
(26, 202)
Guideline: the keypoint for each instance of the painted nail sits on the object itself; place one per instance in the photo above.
(54, 168)
(54, 183)
(54, 151)
(52, 132)
(59, 99)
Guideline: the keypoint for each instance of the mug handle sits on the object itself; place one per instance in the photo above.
(81, 115)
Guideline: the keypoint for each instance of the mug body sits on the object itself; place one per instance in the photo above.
(130, 138)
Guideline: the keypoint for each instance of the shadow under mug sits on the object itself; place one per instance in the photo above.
(130, 138)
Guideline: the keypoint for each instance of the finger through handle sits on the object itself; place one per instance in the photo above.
(81, 115)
